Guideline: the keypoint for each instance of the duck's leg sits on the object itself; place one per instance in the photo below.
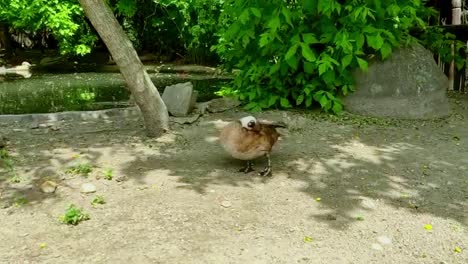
(248, 167)
(267, 170)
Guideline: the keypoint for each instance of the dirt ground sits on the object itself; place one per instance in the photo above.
(343, 190)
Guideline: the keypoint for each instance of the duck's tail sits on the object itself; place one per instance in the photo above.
(274, 124)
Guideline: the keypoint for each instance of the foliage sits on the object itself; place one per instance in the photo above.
(300, 52)
(108, 174)
(82, 168)
(6, 159)
(74, 215)
(64, 19)
(183, 27)
(440, 42)
(98, 200)
(7, 162)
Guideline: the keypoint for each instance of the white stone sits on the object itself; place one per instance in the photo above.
(88, 188)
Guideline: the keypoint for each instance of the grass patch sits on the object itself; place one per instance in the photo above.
(108, 174)
(74, 215)
(83, 169)
(98, 200)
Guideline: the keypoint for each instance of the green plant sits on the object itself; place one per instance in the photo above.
(7, 162)
(15, 178)
(301, 53)
(64, 19)
(185, 28)
(20, 201)
(82, 168)
(98, 200)
(108, 174)
(74, 215)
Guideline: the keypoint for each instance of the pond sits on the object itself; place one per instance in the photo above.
(47, 93)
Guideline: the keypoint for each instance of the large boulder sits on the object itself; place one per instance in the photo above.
(180, 98)
(408, 85)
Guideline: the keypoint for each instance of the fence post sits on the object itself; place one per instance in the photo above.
(456, 20)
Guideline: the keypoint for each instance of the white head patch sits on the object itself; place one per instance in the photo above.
(245, 121)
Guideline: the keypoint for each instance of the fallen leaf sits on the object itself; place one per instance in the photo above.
(428, 227)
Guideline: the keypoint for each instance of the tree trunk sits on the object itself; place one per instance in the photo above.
(146, 95)
(5, 41)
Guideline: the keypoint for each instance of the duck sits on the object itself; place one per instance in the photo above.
(248, 139)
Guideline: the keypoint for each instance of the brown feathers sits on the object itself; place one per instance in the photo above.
(248, 138)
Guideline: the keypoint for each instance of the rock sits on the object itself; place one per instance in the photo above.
(34, 125)
(179, 98)
(48, 187)
(367, 203)
(121, 178)
(408, 85)
(201, 108)
(331, 217)
(55, 128)
(222, 104)
(226, 204)
(88, 188)
(384, 240)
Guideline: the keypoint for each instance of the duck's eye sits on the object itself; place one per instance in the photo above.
(251, 124)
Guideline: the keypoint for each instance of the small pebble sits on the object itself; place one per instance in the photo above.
(88, 188)
(121, 178)
(226, 204)
(384, 240)
(48, 187)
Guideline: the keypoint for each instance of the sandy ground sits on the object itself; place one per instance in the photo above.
(343, 190)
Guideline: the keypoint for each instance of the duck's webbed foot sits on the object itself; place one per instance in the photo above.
(248, 168)
(267, 171)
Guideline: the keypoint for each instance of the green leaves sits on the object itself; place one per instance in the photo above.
(256, 12)
(346, 60)
(308, 50)
(309, 38)
(307, 53)
(386, 50)
(285, 103)
(375, 41)
(291, 51)
(362, 64)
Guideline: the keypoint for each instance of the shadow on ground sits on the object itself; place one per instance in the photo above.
(420, 168)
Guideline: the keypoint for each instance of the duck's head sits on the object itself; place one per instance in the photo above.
(248, 122)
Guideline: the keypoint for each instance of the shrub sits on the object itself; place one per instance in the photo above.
(64, 19)
(185, 28)
(297, 53)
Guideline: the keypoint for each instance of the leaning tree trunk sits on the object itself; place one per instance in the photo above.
(145, 94)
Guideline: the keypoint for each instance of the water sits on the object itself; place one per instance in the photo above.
(47, 93)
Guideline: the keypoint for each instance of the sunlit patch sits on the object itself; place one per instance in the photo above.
(211, 139)
(340, 163)
(167, 138)
(310, 166)
(360, 151)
